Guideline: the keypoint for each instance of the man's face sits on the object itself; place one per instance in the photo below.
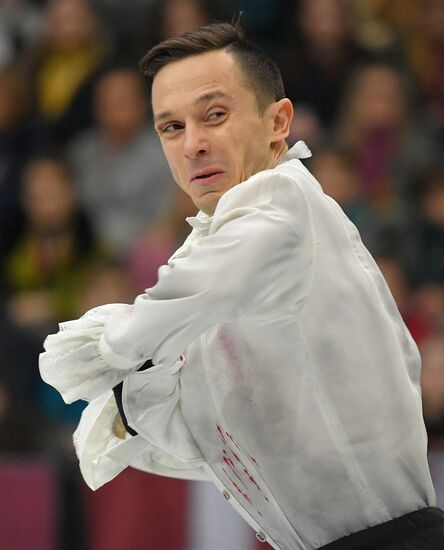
(208, 121)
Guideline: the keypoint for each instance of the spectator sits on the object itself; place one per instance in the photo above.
(376, 126)
(16, 140)
(319, 55)
(44, 263)
(124, 180)
(63, 67)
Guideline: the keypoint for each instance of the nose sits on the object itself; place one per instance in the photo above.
(196, 143)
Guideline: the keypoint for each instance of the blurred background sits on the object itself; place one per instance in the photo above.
(88, 212)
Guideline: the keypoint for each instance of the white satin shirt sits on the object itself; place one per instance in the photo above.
(284, 372)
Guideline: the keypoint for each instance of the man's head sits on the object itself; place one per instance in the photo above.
(219, 107)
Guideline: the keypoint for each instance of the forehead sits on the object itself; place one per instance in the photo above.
(181, 82)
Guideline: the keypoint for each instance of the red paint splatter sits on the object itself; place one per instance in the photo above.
(236, 457)
(227, 459)
(232, 466)
(233, 469)
(251, 478)
(246, 497)
(221, 434)
(253, 459)
(233, 440)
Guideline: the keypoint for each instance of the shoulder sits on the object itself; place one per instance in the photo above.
(276, 187)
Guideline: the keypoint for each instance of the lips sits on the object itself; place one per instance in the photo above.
(205, 174)
(208, 175)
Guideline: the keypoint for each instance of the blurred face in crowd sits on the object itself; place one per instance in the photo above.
(378, 100)
(70, 23)
(324, 22)
(212, 132)
(48, 195)
(181, 16)
(120, 104)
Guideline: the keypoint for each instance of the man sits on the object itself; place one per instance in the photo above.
(283, 371)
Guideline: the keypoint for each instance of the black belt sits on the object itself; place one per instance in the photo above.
(420, 529)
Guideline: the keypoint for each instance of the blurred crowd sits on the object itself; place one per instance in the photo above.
(88, 209)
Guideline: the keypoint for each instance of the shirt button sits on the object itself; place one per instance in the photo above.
(226, 494)
(261, 536)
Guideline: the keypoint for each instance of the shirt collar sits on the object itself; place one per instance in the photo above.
(299, 151)
(200, 222)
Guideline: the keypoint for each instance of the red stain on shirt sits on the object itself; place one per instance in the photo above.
(244, 476)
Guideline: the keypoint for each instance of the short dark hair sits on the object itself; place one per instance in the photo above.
(261, 72)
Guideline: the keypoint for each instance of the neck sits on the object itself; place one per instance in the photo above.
(278, 152)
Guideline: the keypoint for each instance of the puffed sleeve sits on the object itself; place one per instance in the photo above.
(72, 362)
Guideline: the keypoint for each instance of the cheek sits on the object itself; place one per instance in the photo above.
(172, 160)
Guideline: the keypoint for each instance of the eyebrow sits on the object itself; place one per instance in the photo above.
(204, 98)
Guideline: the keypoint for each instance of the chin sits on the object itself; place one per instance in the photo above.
(209, 206)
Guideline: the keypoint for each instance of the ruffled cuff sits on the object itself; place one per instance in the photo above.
(73, 363)
(102, 455)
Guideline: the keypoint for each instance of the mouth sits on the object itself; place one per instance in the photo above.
(205, 177)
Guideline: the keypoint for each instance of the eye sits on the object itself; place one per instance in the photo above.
(216, 115)
(172, 127)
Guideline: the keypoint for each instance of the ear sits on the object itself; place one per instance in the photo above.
(281, 115)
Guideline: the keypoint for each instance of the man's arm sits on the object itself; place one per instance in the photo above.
(103, 455)
(258, 249)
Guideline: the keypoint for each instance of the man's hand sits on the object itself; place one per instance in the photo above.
(119, 429)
